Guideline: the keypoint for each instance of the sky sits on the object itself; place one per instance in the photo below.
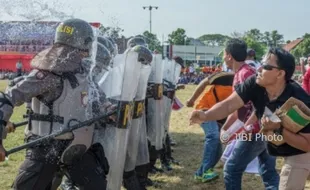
(197, 17)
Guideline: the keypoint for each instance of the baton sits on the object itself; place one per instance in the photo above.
(56, 134)
(15, 125)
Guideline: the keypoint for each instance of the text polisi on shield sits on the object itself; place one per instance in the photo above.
(124, 114)
(158, 91)
(138, 109)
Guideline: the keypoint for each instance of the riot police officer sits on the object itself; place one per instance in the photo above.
(58, 89)
(103, 59)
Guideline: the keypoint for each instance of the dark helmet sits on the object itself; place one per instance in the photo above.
(103, 57)
(132, 42)
(111, 40)
(107, 43)
(114, 45)
(75, 33)
(179, 60)
(144, 54)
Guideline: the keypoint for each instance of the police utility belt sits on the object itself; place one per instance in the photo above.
(42, 117)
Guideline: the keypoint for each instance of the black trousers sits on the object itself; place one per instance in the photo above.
(166, 152)
(42, 165)
(154, 154)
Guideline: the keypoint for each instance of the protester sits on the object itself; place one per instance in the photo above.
(213, 89)
(251, 59)
(245, 151)
(271, 88)
(306, 74)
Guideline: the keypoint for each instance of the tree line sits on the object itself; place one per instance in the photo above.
(255, 39)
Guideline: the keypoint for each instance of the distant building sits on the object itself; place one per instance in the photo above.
(195, 42)
(196, 51)
(292, 45)
(204, 55)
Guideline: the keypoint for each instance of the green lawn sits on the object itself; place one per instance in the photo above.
(188, 151)
(9, 169)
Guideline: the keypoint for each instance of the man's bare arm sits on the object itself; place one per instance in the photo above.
(300, 141)
(302, 67)
(230, 120)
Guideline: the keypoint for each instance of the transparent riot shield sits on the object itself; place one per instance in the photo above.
(120, 86)
(143, 156)
(155, 129)
(135, 129)
(172, 72)
(169, 90)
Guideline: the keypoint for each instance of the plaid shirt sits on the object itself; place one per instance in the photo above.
(244, 72)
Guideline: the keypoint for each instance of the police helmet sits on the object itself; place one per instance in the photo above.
(75, 33)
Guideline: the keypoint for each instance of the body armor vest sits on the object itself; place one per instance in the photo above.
(68, 109)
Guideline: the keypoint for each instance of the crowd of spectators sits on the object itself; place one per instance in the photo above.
(9, 74)
(26, 37)
(193, 75)
(23, 48)
(186, 78)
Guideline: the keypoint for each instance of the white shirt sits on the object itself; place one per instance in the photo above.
(224, 68)
(191, 69)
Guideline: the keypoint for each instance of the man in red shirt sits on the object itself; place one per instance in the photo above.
(242, 72)
(245, 150)
(306, 74)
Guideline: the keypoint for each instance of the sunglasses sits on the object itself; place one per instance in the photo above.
(269, 67)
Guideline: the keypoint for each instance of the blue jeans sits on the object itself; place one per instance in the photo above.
(212, 147)
(243, 153)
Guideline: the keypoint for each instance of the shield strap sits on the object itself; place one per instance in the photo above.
(156, 91)
(169, 90)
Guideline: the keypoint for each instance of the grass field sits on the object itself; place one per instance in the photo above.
(188, 151)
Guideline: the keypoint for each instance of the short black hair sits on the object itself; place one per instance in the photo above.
(285, 61)
(237, 48)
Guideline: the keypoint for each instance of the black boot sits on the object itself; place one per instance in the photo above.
(142, 175)
(165, 162)
(130, 181)
(57, 180)
(153, 157)
(67, 184)
(172, 142)
(169, 151)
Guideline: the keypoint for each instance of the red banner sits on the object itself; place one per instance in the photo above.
(8, 62)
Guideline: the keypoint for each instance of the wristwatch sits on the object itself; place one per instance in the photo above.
(281, 130)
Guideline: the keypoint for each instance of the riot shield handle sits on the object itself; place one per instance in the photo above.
(156, 90)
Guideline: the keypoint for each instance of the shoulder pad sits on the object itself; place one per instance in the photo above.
(15, 81)
(38, 74)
